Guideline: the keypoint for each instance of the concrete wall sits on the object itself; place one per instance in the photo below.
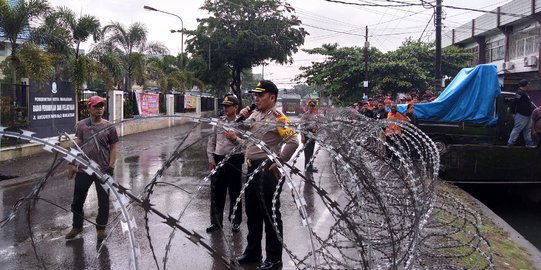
(129, 127)
(26, 150)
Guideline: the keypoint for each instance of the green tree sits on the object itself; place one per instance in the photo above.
(130, 44)
(34, 63)
(170, 74)
(106, 70)
(305, 89)
(216, 78)
(245, 33)
(342, 73)
(62, 33)
(16, 20)
(410, 67)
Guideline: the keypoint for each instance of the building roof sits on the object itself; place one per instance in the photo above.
(511, 13)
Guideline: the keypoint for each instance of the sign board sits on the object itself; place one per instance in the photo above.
(365, 83)
(148, 104)
(314, 95)
(51, 112)
(190, 102)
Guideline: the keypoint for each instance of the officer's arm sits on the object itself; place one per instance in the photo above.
(290, 146)
(211, 146)
(289, 138)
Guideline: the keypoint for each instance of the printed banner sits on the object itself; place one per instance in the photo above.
(190, 102)
(148, 104)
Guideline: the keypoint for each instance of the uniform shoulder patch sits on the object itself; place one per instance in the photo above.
(277, 113)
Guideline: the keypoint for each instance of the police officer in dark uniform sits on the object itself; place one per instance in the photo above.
(229, 176)
(259, 193)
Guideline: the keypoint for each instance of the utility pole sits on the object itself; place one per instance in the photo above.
(437, 73)
(366, 45)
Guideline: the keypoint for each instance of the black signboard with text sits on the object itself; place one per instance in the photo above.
(52, 110)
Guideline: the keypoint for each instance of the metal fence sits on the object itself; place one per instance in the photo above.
(207, 104)
(179, 103)
(130, 105)
(83, 101)
(14, 105)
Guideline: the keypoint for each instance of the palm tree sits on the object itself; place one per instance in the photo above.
(170, 74)
(130, 43)
(61, 32)
(16, 20)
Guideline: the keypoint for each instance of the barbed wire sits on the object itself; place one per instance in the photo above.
(383, 212)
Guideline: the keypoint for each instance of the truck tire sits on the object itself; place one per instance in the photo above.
(441, 144)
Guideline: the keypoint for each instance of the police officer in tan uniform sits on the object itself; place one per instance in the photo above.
(229, 176)
(259, 193)
(308, 123)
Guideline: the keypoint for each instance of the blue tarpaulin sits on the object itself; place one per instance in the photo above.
(469, 97)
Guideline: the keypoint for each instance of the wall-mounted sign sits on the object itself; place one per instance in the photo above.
(148, 104)
(190, 102)
(52, 110)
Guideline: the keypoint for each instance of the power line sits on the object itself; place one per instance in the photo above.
(444, 6)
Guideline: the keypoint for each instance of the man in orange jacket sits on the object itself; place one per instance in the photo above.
(394, 129)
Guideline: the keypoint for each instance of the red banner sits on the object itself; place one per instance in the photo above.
(148, 104)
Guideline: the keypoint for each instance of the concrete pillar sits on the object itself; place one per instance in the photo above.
(116, 109)
(482, 49)
(170, 107)
(170, 104)
(198, 105)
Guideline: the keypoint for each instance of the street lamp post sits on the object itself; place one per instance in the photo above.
(181, 34)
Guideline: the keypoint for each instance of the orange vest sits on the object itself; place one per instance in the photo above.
(394, 129)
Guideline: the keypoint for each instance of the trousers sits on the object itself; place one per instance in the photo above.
(227, 178)
(258, 200)
(309, 151)
(523, 124)
(83, 182)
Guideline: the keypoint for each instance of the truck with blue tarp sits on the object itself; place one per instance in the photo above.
(470, 123)
(471, 110)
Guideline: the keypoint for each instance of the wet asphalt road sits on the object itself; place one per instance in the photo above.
(140, 156)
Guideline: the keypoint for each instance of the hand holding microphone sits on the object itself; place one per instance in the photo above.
(245, 113)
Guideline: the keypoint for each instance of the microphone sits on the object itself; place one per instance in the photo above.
(242, 118)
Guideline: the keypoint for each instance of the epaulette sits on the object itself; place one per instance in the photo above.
(277, 113)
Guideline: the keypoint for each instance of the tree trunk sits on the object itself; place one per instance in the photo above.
(235, 85)
(128, 79)
(13, 61)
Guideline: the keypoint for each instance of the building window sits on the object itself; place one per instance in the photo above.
(524, 43)
(495, 50)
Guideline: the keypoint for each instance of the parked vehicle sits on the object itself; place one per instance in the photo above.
(471, 110)
(445, 133)
(291, 104)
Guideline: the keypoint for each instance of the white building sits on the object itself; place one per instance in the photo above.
(508, 37)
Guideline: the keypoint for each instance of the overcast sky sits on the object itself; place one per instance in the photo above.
(387, 27)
